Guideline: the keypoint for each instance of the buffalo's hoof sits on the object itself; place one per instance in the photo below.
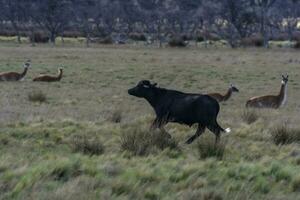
(189, 141)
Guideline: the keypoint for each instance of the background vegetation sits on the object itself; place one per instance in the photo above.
(235, 22)
(86, 138)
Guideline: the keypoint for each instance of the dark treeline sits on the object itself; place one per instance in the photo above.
(236, 21)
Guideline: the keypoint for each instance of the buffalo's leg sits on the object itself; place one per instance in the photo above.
(199, 131)
(216, 130)
(158, 124)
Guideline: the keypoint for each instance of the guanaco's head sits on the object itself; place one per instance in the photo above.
(27, 64)
(285, 79)
(233, 88)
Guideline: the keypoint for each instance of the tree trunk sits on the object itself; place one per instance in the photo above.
(52, 37)
(19, 38)
(159, 35)
(87, 40)
(16, 27)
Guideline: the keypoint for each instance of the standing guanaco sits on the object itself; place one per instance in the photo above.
(271, 101)
(15, 76)
(47, 78)
(219, 97)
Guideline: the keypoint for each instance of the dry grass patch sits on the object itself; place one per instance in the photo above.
(116, 116)
(207, 148)
(37, 96)
(88, 146)
(283, 134)
(250, 116)
(143, 142)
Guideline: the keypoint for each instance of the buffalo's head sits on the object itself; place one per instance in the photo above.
(143, 89)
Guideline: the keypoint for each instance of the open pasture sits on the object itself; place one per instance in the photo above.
(71, 145)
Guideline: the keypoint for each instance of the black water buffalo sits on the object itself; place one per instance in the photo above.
(183, 108)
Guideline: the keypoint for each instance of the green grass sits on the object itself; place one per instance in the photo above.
(71, 146)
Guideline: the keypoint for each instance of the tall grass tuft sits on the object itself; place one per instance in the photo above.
(250, 116)
(37, 96)
(144, 142)
(116, 116)
(88, 146)
(282, 135)
(207, 148)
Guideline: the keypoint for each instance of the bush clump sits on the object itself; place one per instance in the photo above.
(254, 41)
(207, 148)
(144, 142)
(88, 146)
(296, 184)
(137, 37)
(249, 116)
(116, 116)
(297, 45)
(177, 42)
(105, 40)
(282, 135)
(39, 37)
(37, 96)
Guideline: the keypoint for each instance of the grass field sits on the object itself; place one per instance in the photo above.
(80, 141)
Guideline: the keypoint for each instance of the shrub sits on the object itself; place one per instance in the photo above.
(297, 45)
(177, 42)
(249, 116)
(296, 184)
(199, 38)
(142, 142)
(105, 40)
(116, 116)
(282, 135)
(207, 148)
(255, 41)
(37, 96)
(72, 34)
(65, 171)
(137, 37)
(39, 37)
(92, 146)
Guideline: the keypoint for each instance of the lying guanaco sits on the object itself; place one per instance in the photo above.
(15, 76)
(47, 78)
(271, 101)
(219, 97)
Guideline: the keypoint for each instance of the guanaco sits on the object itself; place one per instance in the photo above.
(15, 76)
(219, 97)
(47, 78)
(271, 101)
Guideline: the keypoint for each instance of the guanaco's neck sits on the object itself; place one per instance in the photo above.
(24, 72)
(60, 75)
(283, 93)
(227, 95)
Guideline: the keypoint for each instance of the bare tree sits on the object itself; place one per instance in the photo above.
(51, 15)
(263, 8)
(236, 19)
(14, 11)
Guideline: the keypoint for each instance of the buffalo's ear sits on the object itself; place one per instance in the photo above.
(154, 84)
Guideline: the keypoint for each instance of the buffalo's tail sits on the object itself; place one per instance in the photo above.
(227, 130)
